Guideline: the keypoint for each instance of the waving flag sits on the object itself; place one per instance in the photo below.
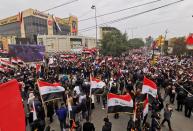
(149, 87)
(14, 61)
(119, 103)
(50, 91)
(20, 61)
(12, 109)
(145, 107)
(6, 63)
(17, 60)
(97, 83)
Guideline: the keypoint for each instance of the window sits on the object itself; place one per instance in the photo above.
(11, 29)
(35, 26)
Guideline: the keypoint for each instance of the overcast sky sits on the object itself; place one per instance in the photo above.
(177, 19)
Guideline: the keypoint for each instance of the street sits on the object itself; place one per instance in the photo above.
(178, 121)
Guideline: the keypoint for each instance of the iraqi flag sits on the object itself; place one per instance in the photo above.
(12, 109)
(119, 103)
(50, 91)
(145, 107)
(149, 87)
(20, 61)
(14, 61)
(6, 63)
(96, 83)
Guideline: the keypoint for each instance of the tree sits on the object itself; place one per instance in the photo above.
(165, 47)
(179, 46)
(114, 43)
(136, 43)
(149, 41)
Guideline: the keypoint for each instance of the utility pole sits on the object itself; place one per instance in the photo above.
(166, 32)
(132, 31)
(94, 7)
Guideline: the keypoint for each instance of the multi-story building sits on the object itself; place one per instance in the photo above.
(28, 24)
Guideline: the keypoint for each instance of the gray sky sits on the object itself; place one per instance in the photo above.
(176, 18)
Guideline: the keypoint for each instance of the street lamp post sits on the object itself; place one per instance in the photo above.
(94, 7)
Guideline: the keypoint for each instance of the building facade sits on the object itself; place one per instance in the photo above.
(30, 23)
(59, 43)
(105, 30)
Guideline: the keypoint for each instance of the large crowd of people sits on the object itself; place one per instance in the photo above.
(173, 75)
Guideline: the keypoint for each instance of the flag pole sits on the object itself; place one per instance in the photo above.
(184, 89)
(42, 99)
(91, 99)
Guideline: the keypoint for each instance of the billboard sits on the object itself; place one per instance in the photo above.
(73, 22)
(28, 53)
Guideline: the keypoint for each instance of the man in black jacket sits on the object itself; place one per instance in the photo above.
(188, 105)
(180, 99)
(107, 126)
(88, 126)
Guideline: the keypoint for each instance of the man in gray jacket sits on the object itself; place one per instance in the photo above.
(167, 116)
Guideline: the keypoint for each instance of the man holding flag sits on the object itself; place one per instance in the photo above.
(149, 87)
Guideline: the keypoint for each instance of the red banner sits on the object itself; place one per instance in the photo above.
(12, 110)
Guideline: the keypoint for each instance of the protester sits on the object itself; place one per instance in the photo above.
(50, 110)
(167, 116)
(121, 76)
(88, 126)
(107, 126)
(188, 105)
(62, 114)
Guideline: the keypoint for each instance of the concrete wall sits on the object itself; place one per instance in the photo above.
(58, 43)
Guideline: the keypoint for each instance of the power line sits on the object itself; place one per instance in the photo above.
(127, 17)
(163, 21)
(120, 10)
(58, 6)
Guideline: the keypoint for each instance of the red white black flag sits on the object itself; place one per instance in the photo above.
(119, 103)
(6, 63)
(50, 91)
(149, 87)
(96, 83)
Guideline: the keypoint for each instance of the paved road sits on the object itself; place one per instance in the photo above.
(178, 121)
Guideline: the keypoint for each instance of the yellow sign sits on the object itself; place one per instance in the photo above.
(160, 41)
(60, 21)
(9, 20)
